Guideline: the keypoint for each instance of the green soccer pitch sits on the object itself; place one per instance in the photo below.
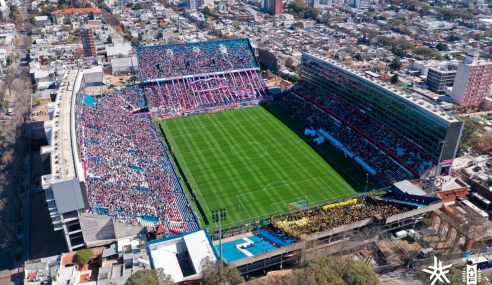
(253, 165)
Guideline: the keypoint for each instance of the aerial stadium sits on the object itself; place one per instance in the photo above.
(201, 135)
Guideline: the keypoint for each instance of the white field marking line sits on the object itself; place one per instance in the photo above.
(242, 206)
(189, 171)
(268, 186)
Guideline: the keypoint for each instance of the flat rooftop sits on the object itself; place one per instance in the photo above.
(62, 161)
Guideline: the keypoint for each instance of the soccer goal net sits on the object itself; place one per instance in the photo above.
(298, 206)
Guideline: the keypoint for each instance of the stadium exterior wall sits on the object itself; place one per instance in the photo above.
(412, 213)
(75, 148)
(341, 229)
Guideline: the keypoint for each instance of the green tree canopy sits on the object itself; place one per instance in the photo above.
(395, 79)
(395, 64)
(470, 133)
(293, 77)
(456, 14)
(426, 53)
(150, 277)
(331, 270)
(146, 276)
(83, 256)
(454, 38)
(442, 47)
(213, 274)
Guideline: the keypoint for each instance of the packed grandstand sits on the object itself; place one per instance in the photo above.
(196, 77)
(387, 170)
(334, 215)
(129, 174)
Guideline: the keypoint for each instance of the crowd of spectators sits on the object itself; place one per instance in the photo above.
(318, 219)
(179, 60)
(199, 94)
(387, 170)
(128, 173)
(401, 149)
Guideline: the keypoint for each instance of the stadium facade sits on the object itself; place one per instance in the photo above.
(415, 123)
(64, 187)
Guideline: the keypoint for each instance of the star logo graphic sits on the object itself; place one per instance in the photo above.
(438, 272)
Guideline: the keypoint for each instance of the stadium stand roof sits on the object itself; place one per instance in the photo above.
(69, 196)
(409, 188)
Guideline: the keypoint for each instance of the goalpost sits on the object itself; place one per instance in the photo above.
(298, 206)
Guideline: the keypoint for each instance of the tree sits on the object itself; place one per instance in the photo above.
(163, 278)
(470, 133)
(145, 276)
(37, 101)
(83, 256)
(394, 79)
(358, 273)
(212, 274)
(336, 271)
(442, 47)
(483, 144)
(368, 33)
(452, 14)
(395, 64)
(293, 77)
(454, 38)
(297, 6)
(311, 13)
(14, 14)
(426, 53)
(289, 62)
(67, 21)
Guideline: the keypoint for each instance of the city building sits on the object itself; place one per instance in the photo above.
(273, 7)
(438, 79)
(199, 4)
(361, 4)
(181, 255)
(473, 81)
(313, 3)
(405, 116)
(88, 42)
(3, 9)
(85, 13)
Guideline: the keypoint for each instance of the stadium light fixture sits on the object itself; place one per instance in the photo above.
(217, 217)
